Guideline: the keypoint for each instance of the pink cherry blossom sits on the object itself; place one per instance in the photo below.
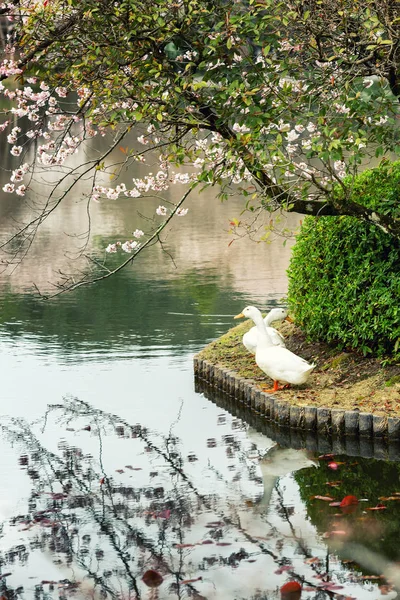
(128, 246)
(161, 210)
(16, 150)
(20, 191)
(181, 212)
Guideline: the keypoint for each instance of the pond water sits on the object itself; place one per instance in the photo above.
(113, 465)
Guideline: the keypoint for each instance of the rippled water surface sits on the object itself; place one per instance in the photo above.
(113, 465)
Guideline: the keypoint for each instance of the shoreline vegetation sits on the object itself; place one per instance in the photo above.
(342, 379)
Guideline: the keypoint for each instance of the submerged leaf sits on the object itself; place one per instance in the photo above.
(349, 501)
(152, 579)
(325, 498)
(192, 580)
(224, 544)
(291, 591)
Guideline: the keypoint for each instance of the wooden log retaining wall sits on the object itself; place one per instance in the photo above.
(367, 434)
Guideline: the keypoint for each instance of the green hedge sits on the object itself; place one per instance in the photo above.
(344, 275)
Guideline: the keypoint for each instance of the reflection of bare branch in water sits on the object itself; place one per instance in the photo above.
(114, 532)
(286, 513)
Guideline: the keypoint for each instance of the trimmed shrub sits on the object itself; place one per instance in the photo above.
(344, 275)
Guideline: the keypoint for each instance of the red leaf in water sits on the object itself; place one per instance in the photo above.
(192, 580)
(333, 466)
(119, 470)
(152, 578)
(334, 483)
(184, 545)
(283, 568)
(386, 498)
(46, 523)
(325, 498)
(385, 589)
(291, 591)
(349, 501)
(377, 507)
(334, 504)
(349, 504)
(164, 514)
(102, 480)
(224, 544)
(329, 586)
(57, 495)
(87, 428)
(207, 542)
(310, 561)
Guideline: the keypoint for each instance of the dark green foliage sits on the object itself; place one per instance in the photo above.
(344, 276)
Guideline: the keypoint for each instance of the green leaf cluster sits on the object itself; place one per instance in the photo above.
(344, 274)
(377, 188)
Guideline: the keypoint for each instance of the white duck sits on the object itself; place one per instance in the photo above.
(250, 338)
(280, 364)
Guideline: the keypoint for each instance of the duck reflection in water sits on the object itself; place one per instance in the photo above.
(276, 462)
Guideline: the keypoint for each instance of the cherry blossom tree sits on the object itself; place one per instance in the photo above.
(281, 102)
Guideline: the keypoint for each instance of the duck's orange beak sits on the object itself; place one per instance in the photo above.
(288, 319)
(241, 316)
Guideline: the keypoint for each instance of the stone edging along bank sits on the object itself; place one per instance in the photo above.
(324, 421)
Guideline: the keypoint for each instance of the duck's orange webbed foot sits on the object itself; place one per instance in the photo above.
(276, 388)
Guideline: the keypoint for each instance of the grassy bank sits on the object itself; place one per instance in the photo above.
(340, 380)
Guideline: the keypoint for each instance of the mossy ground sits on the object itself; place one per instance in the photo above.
(340, 380)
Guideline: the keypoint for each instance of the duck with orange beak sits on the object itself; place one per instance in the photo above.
(276, 314)
(280, 364)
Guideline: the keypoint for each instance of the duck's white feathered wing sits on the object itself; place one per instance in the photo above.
(282, 365)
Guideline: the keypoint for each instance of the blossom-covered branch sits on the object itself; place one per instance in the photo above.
(288, 101)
